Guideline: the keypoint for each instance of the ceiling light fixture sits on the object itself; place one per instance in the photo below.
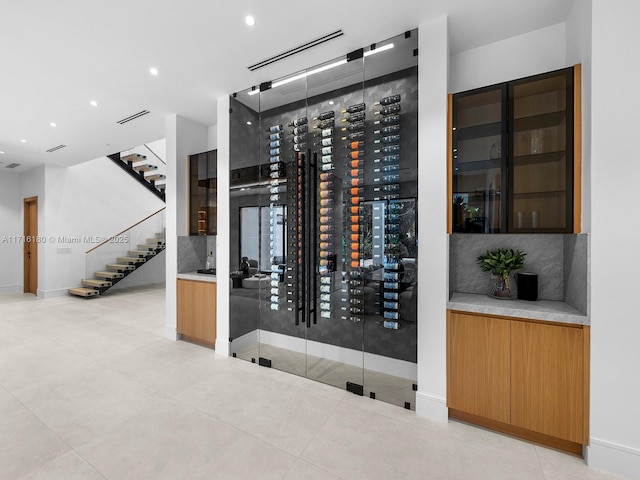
(53, 124)
(153, 71)
(249, 123)
(93, 103)
(1, 152)
(321, 69)
(23, 141)
(249, 20)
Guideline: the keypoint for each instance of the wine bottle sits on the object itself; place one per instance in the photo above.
(275, 136)
(356, 154)
(391, 168)
(389, 159)
(391, 276)
(391, 296)
(326, 158)
(274, 159)
(388, 129)
(390, 305)
(326, 124)
(325, 289)
(327, 132)
(395, 207)
(355, 117)
(388, 100)
(355, 246)
(354, 126)
(392, 315)
(354, 145)
(327, 167)
(355, 182)
(299, 138)
(324, 237)
(327, 150)
(300, 130)
(275, 129)
(325, 177)
(274, 151)
(326, 246)
(325, 280)
(298, 122)
(299, 147)
(358, 107)
(389, 120)
(391, 285)
(393, 217)
(354, 209)
(274, 144)
(354, 136)
(391, 178)
(391, 325)
(355, 191)
(354, 172)
(326, 202)
(389, 110)
(326, 193)
(326, 185)
(326, 142)
(355, 163)
(388, 139)
(324, 115)
(388, 149)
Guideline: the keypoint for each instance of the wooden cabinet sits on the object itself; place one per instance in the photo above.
(521, 377)
(515, 156)
(197, 311)
(479, 376)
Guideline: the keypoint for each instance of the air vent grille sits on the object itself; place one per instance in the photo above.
(13, 165)
(56, 148)
(298, 49)
(133, 117)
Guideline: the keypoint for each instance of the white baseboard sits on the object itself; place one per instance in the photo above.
(171, 333)
(222, 347)
(58, 292)
(11, 288)
(376, 363)
(614, 458)
(432, 407)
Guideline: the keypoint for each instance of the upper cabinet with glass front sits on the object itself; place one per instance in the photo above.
(514, 159)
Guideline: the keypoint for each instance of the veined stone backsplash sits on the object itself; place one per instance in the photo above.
(559, 260)
(193, 252)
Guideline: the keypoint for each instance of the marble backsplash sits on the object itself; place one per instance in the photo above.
(561, 262)
(193, 252)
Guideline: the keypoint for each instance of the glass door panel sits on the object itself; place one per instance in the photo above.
(479, 140)
(389, 221)
(541, 174)
(335, 333)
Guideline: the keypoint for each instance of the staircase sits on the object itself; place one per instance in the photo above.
(114, 272)
(143, 170)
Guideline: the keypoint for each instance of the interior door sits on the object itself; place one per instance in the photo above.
(30, 251)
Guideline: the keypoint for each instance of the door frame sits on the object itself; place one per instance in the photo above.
(30, 245)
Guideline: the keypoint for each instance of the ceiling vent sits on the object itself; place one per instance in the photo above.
(56, 148)
(13, 165)
(298, 49)
(133, 117)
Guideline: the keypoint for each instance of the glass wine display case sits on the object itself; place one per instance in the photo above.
(327, 158)
(512, 151)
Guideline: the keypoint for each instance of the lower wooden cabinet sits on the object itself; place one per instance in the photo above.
(521, 377)
(197, 311)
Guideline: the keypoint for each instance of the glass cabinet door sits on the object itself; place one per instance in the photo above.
(541, 174)
(479, 160)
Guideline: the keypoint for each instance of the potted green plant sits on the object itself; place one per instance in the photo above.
(501, 262)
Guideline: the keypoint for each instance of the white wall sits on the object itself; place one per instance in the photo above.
(431, 398)
(92, 199)
(579, 51)
(183, 138)
(222, 239)
(11, 225)
(527, 54)
(615, 331)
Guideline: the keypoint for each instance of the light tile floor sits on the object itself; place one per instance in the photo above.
(90, 389)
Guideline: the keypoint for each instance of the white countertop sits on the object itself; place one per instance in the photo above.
(539, 310)
(198, 277)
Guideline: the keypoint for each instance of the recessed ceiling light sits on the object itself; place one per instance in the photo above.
(153, 71)
(248, 123)
(330, 102)
(23, 141)
(93, 103)
(53, 124)
(1, 152)
(250, 20)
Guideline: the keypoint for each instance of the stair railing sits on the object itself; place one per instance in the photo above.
(132, 239)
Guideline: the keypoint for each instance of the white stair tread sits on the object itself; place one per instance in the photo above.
(155, 241)
(120, 266)
(146, 246)
(133, 157)
(145, 167)
(131, 259)
(109, 274)
(83, 292)
(155, 177)
(94, 282)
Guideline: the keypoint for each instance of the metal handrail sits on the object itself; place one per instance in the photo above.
(154, 154)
